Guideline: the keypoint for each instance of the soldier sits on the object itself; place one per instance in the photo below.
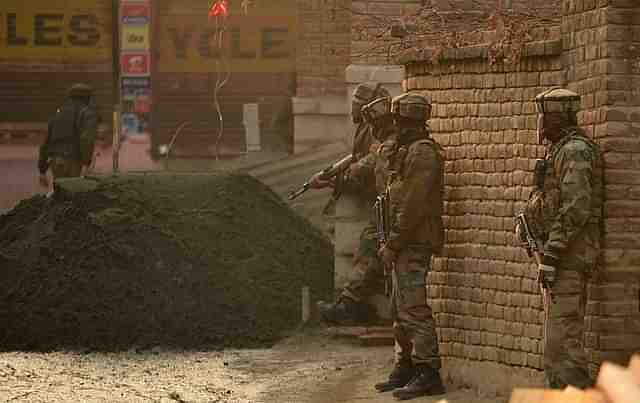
(412, 174)
(564, 213)
(69, 145)
(351, 306)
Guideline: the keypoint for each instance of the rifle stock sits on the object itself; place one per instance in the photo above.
(328, 173)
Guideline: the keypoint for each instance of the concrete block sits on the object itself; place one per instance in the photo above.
(312, 130)
(348, 236)
(356, 74)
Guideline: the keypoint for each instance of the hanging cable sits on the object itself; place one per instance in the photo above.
(218, 11)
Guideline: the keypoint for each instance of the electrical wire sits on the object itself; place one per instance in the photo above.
(220, 28)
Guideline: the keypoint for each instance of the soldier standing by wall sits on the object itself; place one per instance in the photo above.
(564, 213)
(411, 173)
(69, 145)
(351, 306)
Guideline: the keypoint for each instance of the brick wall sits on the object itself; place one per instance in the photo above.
(483, 292)
(324, 44)
(445, 23)
(601, 41)
(483, 289)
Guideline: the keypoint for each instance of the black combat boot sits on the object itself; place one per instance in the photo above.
(426, 382)
(345, 312)
(401, 375)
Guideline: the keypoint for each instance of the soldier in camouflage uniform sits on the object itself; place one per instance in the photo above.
(69, 145)
(564, 212)
(351, 306)
(411, 168)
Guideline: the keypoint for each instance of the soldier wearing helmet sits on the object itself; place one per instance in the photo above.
(410, 171)
(69, 145)
(564, 212)
(351, 306)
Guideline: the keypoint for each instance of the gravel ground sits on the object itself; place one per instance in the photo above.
(306, 368)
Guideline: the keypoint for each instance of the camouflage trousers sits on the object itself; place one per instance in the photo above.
(65, 168)
(368, 278)
(413, 325)
(565, 359)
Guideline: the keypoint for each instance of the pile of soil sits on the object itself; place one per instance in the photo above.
(188, 261)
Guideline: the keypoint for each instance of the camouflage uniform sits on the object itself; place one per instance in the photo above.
(565, 213)
(368, 278)
(66, 157)
(414, 172)
(410, 174)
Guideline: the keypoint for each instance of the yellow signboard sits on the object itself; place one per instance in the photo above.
(261, 40)
(55, 31)
(135, 37)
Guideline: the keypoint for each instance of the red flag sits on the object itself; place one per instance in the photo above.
(219, 8)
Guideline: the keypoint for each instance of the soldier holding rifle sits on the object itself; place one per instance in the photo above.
(350, 174)
(410, 178)
(561, 227)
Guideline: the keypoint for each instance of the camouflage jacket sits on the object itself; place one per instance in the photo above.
(565, 210)
(414, 172)
(364, 183)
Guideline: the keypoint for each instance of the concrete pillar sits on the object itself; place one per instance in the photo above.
(318, 121)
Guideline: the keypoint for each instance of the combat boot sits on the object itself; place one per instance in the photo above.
(427, 382)
(401, 375)
(345, 312)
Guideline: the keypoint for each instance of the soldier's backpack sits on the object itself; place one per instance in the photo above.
(64, 126)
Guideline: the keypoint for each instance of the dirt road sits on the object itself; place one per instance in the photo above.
(307, 368)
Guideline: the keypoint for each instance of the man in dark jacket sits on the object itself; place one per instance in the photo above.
(69, 145)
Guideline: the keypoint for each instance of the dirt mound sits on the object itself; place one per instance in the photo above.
(186, 261)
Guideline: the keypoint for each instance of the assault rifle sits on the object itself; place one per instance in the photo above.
(534, 249)
(381, 207)
(330, 172)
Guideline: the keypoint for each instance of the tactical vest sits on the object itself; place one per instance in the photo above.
(65, 137)
(390, 172)
(546, 200)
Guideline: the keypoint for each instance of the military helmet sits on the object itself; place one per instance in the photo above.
(557, 100)
(412, 105)
(362, 95)
(80, 90)
(376, 109)
(367, 92)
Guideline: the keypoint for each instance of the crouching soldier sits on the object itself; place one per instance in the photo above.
(351, 306)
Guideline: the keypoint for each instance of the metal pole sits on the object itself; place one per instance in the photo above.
(116, 139)
(306, 304)
(117, 107)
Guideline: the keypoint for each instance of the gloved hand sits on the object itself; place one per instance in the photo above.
(387, 255)
(317, 183)
(354, 169)
(547, 270)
